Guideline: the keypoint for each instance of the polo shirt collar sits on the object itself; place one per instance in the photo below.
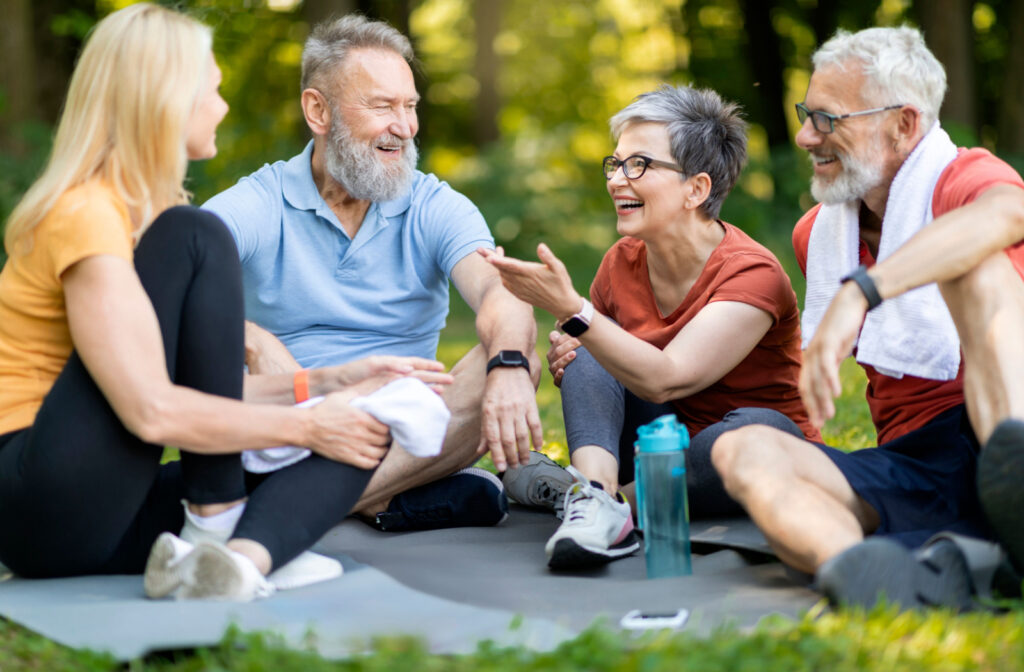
(301, 192)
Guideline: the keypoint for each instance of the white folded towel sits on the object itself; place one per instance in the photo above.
(418, 419)
(912, 334)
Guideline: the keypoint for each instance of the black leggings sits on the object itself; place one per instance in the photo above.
(80, 494)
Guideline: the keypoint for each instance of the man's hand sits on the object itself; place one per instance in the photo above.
(832, 343)
(509, 417)
(265, 354)
(561, 353)
(346, 434)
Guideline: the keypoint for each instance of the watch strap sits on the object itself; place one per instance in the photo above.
(860, 277)
(580, 322)
(508, 358)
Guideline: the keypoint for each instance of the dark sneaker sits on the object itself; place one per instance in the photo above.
(540, 483)
(1000, 474)
(468, 498)
(597, 528)
(875, 569)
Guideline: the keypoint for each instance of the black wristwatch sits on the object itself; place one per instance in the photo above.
(580, 322)
(860, 277)
(509, 358)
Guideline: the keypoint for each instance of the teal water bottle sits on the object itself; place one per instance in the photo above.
(661, 496)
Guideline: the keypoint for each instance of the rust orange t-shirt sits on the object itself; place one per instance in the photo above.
(35, 341)
(740, 270)
(901, 405)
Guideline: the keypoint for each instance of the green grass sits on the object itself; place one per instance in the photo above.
(822, 640)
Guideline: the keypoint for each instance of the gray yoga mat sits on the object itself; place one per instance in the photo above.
(454, 588)
(735, 580)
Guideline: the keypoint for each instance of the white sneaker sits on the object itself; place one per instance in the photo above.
(163, 575)
(541, 483)
(597, 529)
(215, 572)
(304, 570)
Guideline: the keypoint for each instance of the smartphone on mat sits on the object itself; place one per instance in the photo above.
(650, 620)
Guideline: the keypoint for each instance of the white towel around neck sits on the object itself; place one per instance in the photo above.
(418, 419)
(912, 334)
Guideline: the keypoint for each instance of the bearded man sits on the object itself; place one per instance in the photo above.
(913, 261)
(347, 251)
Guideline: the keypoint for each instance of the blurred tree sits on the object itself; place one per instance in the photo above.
(949, 32)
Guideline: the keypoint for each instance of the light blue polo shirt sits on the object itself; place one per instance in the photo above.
(330, 298)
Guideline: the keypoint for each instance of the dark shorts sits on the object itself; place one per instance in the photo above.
(922, 482)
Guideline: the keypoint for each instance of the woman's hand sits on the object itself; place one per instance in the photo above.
(346, 434)
(546, 285)
(335, 378)
(561, 353)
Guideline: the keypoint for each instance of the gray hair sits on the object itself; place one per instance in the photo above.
(899, 68)
(705, 133)
(330, 42)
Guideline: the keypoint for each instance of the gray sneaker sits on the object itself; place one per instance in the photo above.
(541, 483)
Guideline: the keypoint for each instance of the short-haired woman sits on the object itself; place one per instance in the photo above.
(689, 316)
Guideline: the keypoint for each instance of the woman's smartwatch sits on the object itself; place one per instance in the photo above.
(509, 358)
(580, 322)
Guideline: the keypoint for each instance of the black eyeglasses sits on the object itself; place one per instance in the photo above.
(634, 167)
(825, 122)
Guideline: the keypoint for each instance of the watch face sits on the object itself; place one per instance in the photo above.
(511, 358)
(574, 326)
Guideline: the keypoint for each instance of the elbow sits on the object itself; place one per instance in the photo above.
(148, 419)
(657, 395)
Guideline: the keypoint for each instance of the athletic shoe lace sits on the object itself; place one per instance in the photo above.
(580, 498)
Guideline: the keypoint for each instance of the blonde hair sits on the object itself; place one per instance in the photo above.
(124, 120)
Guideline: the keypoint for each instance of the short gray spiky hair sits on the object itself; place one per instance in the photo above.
(899, 68)
(705, 133)
(330, 42)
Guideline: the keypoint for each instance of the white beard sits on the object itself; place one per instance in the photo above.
(356, 167)
(856, 179)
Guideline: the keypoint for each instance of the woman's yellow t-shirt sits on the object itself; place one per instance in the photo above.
(35, 342)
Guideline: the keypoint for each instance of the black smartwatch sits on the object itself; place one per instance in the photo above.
(580, 322)
(509, 358)
(860, 277)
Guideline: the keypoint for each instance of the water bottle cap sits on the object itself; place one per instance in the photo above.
(662, 435)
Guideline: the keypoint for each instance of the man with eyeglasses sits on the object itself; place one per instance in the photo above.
(347, 252)
(937, 324)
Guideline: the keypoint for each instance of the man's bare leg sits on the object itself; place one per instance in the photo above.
(794, 493)
(400, 471)
(987, 305)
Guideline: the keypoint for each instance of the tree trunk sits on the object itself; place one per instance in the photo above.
(765, 56)
(487, 15)
(949, 32)
(17, 73)
(1011, 108)
(315, 11)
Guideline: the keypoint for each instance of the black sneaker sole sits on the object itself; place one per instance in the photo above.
(567, 554)
(1000, 474)
(877, 568)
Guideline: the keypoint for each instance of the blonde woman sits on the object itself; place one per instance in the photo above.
(121, 333)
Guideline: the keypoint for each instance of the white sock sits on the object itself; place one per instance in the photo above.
(225, 521)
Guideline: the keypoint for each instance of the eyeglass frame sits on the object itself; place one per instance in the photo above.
(648, 162)
(803, 110)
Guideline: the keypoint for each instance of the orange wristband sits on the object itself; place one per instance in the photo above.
(301, 385)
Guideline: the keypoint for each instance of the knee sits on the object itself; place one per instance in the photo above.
(985, 284)
(744, 457)
(187, 225)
